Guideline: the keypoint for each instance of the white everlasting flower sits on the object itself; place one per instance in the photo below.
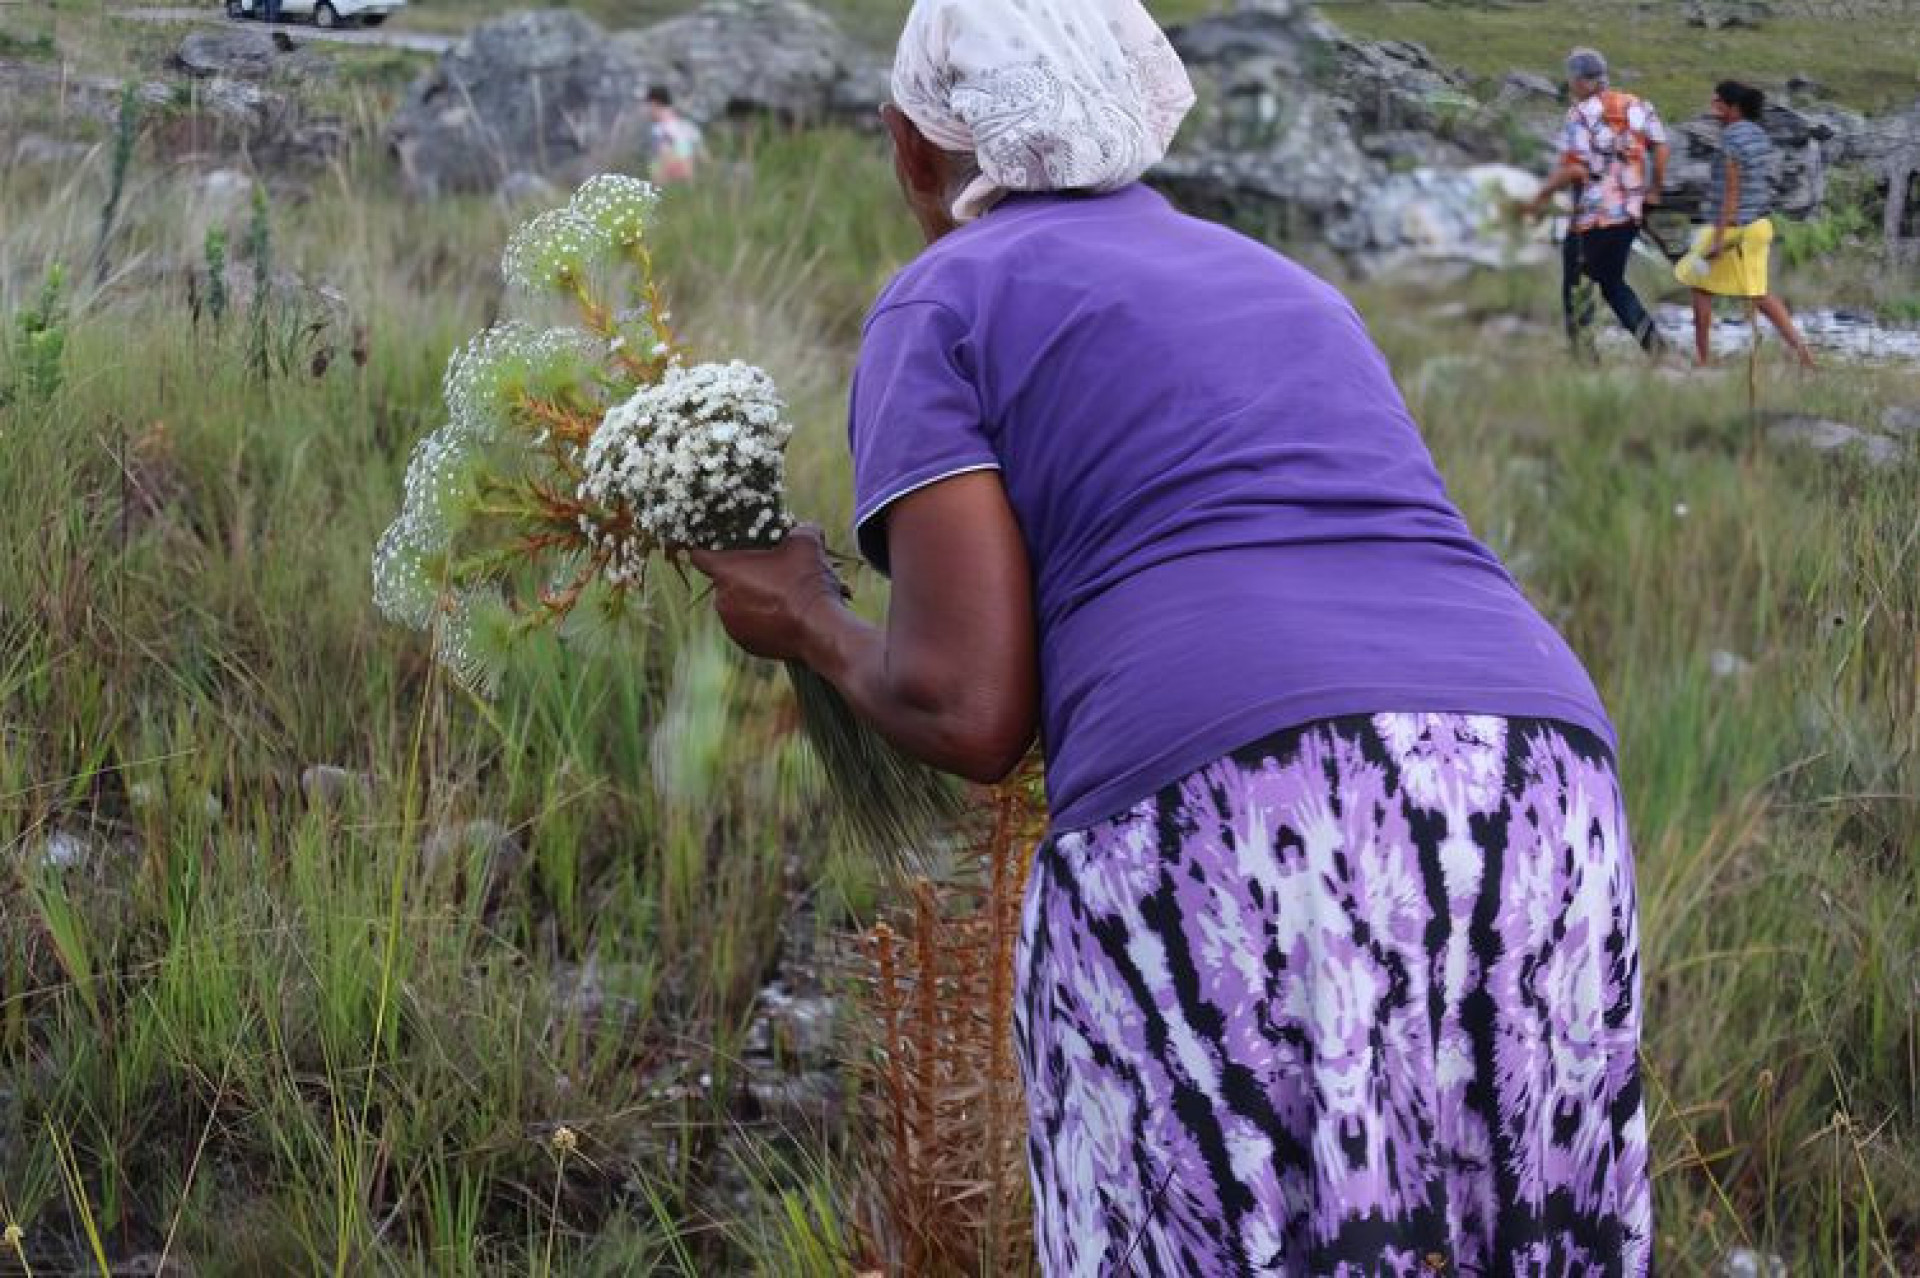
(406, 578)
(699, 459)
(440, 482)
(485, 376)
(618, 206)
(551, 252)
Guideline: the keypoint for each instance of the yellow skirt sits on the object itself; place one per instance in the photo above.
(1741, 268)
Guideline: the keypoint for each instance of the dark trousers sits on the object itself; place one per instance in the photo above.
(272, 10)
(1601, 255)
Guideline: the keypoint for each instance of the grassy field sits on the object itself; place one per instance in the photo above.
(1866, 55)
(264, 1021)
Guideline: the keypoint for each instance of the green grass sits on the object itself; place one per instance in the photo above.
(1867, 56)
(269, 1034)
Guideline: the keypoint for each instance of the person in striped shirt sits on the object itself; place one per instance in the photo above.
(1730, 253)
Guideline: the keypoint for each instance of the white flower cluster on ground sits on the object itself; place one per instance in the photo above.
(698, 459)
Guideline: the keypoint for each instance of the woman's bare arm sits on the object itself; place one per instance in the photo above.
(952, 677)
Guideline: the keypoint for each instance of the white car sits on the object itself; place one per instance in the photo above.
(325, 13)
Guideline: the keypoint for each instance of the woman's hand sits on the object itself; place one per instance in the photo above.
(953, 676)
(771, 601)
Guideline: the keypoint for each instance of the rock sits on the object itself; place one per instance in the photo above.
(1301, 122)
(543, 91)
(522, 190)
(759, 57)
(329, 787)
(550, 93)
(62, 850)
(1718, 15)
(151, 1264)
(1266, 149)
(249, 53)
(82, 97)
(232, 51)
(808, 1102)
(1744, 1262)
(1395, 84)
(1830, 438)
(1901, 419)
(242, 104)
(795, 1031)
(1722, 664)
(38, 148)
(483, 854)
(1528, 85)
(580, 994)
(1445, 215)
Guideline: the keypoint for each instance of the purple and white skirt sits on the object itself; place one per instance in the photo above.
(1360, 999)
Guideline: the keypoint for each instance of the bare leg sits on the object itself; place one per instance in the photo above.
(1703, 327)
(1776, 312)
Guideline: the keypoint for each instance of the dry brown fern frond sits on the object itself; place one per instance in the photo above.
(945, 1115)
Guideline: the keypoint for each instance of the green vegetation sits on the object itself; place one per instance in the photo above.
(284, 1021)
(1866, 55)
(37, 346)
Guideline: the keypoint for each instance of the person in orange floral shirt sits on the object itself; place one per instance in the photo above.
(1613, 155)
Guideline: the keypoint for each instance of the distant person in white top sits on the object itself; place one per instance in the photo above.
(677, 148)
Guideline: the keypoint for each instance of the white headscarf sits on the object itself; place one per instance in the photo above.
(1050, 95)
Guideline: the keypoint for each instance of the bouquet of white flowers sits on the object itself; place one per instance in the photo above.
(574, 456)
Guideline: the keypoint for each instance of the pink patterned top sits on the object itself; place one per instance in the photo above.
(1610, 135)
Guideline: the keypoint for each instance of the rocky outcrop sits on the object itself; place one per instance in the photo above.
(1302, 129)
(1426, 217)
(780, 58)
(550, 93)
(270, 123)
(250, 53)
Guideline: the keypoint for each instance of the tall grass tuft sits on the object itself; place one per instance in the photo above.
(125, 134)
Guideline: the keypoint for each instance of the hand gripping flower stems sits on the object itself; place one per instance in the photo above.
(573, 456)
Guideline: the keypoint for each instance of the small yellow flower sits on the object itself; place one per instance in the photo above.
(14, 1236)
(565, 1140)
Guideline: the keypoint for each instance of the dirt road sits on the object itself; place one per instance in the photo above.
(210, 15)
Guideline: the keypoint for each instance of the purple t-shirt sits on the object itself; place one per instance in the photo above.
(1233, 523)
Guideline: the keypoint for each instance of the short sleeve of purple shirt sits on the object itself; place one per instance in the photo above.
(915, 416)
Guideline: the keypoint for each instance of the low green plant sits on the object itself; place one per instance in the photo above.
(215, 251)
(1838, 226)
(39, 46)
(36, 363)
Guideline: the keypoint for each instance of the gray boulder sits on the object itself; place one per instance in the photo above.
(248, 53)
(1902, 420)
(1266, 147)
(541, 91)
(550, 93)
(780, 58)
(1831, 438)
(241, 51)
(1718, 15)
(1443, 217)
(1299, 123)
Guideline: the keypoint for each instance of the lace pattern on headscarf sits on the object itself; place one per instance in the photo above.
(1049, 95)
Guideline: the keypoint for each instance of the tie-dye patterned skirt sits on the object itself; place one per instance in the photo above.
(1360, 999)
